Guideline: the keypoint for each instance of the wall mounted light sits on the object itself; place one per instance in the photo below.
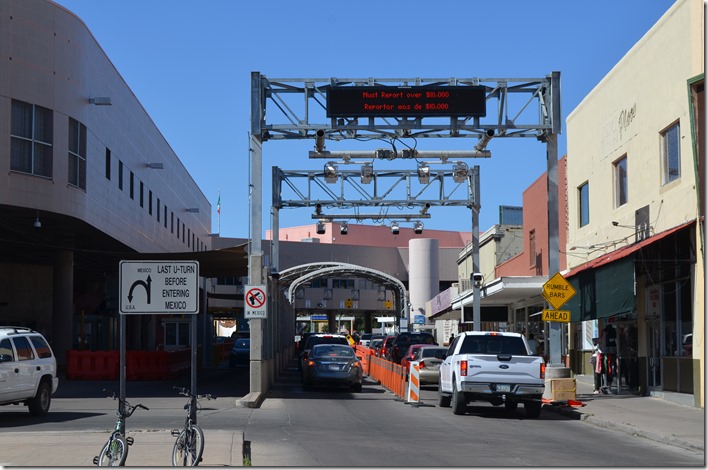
(101, 101)
(394, 228)
(37, 223)
(424, 174)
(156, 166)
(320, 228)
(418, 227)
(459, 172)
(330, 172)
(367, 173)
(343, 228)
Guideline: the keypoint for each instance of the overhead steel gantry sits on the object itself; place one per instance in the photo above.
(297, 109)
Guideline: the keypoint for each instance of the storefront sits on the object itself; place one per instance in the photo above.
(644, 291)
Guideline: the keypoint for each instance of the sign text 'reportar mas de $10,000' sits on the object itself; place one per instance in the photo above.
(373, 101)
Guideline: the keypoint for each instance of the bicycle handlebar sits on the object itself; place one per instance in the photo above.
(187, 393)
(129, 409)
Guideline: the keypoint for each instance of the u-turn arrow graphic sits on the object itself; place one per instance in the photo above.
(145, 284)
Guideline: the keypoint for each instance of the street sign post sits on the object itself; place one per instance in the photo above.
(255, 302)
(148, 287)
(557, 291)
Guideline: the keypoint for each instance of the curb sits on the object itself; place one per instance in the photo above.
(252, 400)
(625, 428)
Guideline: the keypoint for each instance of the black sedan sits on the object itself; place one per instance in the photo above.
(332, 364)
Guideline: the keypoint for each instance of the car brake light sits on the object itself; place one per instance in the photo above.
(310, 363)
(543, 370)
(463, 368)
(421, 364)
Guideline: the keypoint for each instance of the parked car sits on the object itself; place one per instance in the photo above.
(332, 364)
(28, 369)
(429, 359)
(405, 340)
(240, 353)
(320, 338)
(386, 346)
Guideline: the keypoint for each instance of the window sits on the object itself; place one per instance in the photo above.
(108, 164)
(41, 346)
(6, 349)
(157, 208)
(120, 175)
(141, 193)
(150, 202)
(32, 136)
(132, 185)
(584, 204)
(176, 334)
(172, 221)
(165, 218)
(532, 248)
(77, 154)
(671, 154)
(23, 348)
(621, 181)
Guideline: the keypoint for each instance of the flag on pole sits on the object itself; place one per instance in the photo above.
(218, 205)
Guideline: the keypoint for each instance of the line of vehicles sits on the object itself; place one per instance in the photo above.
(496, 367)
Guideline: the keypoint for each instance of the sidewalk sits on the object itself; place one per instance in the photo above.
(649, 417)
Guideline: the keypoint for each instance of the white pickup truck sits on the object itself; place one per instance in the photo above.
(496, 367)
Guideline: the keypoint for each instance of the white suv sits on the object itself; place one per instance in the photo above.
(28, 369)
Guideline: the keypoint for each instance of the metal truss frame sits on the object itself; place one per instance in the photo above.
(386, 189)
(296, 109)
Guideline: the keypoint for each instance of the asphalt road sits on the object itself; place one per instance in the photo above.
(336, 428)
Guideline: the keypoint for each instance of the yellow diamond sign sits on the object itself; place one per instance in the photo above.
(558, 291)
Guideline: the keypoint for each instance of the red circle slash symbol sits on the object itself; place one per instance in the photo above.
(255, 298)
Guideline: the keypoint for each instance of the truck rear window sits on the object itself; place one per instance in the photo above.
(493, 345)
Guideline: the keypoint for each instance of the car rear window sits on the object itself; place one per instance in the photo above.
(332, 350)
(41, 346)
(313, 340)
(513, 345)
(434, 352)
(24, 350)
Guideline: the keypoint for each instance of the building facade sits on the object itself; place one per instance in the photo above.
(635, 219)
(87, 179)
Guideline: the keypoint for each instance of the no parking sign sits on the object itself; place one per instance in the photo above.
(254, 300)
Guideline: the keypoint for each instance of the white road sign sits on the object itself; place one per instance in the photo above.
(254, 301)
(159, 287)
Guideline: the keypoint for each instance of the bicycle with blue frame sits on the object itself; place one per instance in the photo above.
(115, 451)
(189, 446)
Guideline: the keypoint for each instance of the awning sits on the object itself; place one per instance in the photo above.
(605, 286)
(623, 252)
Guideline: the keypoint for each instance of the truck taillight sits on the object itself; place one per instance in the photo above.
(543, 370)
(463, 368)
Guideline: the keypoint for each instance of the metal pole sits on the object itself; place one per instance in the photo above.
(193, 337)
(121, 391)
(476, 307)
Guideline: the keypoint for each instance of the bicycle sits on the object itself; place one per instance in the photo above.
(115, 452)
(189, 446)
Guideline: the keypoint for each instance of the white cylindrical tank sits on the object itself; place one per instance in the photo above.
(423, 274)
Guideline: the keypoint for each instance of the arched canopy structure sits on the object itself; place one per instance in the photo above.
(298, 275)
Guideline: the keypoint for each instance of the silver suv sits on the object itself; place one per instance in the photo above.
(28, 369)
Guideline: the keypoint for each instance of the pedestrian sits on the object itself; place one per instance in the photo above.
(452, 337)
(609, 356)
(596, 362)
(533, 344)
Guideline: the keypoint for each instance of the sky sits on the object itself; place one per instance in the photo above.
(189, 63)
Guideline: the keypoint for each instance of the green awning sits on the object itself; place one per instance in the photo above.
(603, 292)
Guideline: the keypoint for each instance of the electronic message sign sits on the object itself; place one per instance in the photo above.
(404, 101)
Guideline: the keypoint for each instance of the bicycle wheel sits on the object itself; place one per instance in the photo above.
(114, 452)
(189, 447)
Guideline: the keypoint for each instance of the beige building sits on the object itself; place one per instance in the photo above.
(635, 181)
